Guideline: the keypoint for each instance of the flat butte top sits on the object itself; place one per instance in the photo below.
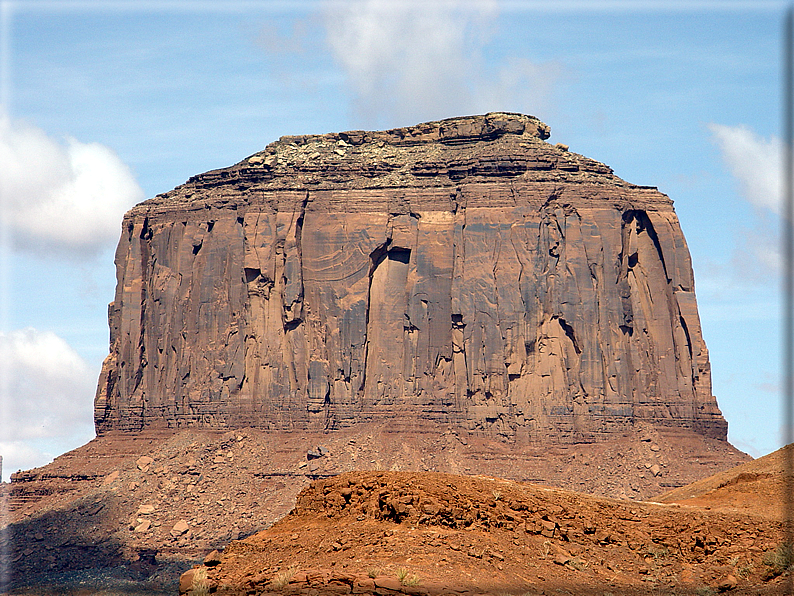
(496, 149)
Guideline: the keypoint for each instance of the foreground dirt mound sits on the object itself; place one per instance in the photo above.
(757, 486)
(143, 508)
(428, 533)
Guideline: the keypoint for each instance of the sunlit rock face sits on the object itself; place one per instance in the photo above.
(457, 274)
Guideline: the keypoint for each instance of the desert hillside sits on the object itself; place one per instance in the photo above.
(756, 487)
(147, 506)
(429, 533)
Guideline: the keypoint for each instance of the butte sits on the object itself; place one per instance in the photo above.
(457, 296)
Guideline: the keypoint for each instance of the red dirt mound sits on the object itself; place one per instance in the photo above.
(757, 486)
(429, 533)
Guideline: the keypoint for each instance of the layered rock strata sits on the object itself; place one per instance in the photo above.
(464, 273)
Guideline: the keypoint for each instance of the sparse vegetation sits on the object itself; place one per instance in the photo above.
(373, 572)
(406, 578)
(200, 586)
(283, 578)
(497, 494)
(546, 548)
(657, 552)
(705, 591)
(578, 564)
(412, 580)
(744, 571)
(781, 559)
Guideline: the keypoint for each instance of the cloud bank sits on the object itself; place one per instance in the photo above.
(406, 62)
(59, 198)
(47, 398)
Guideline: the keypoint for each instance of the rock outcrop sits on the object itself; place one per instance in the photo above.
(392, 533)
(463, 273)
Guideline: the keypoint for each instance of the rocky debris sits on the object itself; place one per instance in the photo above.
(316, 453)
(111, 478)
(98, 528)
(212, 559)
(727, 584)
(186, 581)
(426, 533)
(180, 527)
(463, 273)
(144, 462)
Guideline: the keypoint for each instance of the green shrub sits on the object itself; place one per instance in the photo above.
(407, 579)
(781, 559)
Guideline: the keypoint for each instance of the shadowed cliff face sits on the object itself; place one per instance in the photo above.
(460, 273)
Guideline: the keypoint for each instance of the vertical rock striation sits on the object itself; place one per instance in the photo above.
(461, 273)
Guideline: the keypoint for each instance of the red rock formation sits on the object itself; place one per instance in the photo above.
(460, 273)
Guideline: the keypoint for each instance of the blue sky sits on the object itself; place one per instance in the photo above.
(106, 103)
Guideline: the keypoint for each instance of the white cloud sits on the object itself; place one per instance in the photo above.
(20, 455)
(756, 164)
(63, 198)
(410, 61)
(47, 397)
(757, 254)
(754, 161)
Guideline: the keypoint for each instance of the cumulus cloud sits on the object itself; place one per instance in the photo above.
(47, 397)
(65, 198)
(410, 61)
(754, 161)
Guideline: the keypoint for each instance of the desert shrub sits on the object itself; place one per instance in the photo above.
(657, 552)
(546, 548)
(407, 579)
(744, 571)
(373, 572)
(577, 564)
(705, 591)
(283, 578)
(412, 580)
(781, 559)
(200, 585)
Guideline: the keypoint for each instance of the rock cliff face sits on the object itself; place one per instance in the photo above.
(463, 273)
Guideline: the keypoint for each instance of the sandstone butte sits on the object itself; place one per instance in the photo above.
(457, 297)
(462, 274)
